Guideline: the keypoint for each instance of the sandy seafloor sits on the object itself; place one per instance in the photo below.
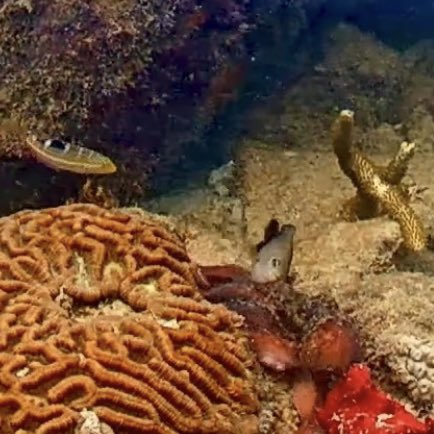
(286, 169)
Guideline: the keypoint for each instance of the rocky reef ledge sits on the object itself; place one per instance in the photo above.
(129, 79)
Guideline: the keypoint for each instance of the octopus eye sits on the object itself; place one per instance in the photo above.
(275, 262)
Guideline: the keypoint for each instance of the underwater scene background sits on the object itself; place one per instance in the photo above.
(216, 216)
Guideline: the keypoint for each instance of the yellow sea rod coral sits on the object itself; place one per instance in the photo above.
(379, 189)
(170, 366)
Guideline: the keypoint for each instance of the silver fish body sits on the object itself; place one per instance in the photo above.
(273, 260)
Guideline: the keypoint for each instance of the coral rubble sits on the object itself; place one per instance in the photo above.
(379, 189)
(171, 365)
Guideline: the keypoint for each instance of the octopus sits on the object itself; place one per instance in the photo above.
(289, 330)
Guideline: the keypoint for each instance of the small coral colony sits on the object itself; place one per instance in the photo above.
(183, 353)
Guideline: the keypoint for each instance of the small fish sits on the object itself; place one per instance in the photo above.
(274, 253)
(60, 155)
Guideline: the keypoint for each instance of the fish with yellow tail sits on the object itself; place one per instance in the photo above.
(60, 155)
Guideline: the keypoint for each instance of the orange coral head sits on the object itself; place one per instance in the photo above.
(164, 362)
(330, 346)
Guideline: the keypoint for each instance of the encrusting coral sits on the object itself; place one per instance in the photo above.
(379, 189)
(172, 365)
(411, 360)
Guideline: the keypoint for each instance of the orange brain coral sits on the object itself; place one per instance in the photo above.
(169, 365)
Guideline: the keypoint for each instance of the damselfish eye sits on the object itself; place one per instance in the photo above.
(275, 262)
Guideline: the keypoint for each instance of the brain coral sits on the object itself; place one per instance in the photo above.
(412, 364)
(172, 364)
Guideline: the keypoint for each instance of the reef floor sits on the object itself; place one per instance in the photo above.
(285, 168)
(357, 262)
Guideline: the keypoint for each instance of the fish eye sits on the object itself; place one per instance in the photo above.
(57, 144)
(275, 262)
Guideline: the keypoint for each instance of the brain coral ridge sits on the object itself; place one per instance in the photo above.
(412, 363)
(171, 365)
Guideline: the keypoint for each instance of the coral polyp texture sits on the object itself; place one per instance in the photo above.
(412, 364)
(379, 189)
(172, 363)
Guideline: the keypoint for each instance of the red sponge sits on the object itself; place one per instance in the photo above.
(356, 406)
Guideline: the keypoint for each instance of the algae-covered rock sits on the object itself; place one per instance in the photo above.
(136, 79)
(76, 69)
(114, 76)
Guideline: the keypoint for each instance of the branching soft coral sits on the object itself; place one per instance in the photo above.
(379, 189)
